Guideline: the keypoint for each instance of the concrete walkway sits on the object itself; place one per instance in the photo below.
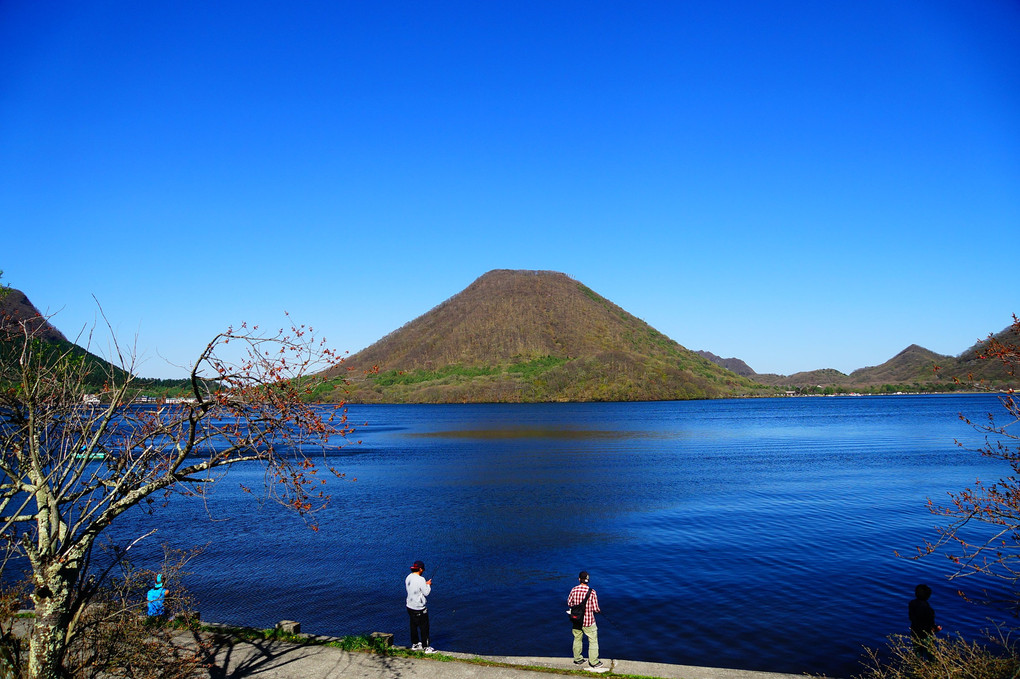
(232, 659)
(229, 657)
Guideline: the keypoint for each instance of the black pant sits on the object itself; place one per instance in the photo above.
(419, 623)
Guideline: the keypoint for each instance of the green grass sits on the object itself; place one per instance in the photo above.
(591, 294)
(524, 369)
(531, 369)
(392, 377)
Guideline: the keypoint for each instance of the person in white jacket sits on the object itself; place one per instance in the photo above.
(417, 589)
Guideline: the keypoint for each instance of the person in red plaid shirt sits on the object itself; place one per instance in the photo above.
(588, 628)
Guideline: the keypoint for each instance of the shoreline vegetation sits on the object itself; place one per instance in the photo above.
(452, 387)
(172, 396)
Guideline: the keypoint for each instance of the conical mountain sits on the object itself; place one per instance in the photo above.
(913, 364)
(532, 336)
(917, 365)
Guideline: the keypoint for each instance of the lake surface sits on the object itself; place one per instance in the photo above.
(755, 534)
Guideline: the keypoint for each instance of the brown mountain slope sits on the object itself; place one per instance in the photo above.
(970, 366)
(532, 336)
(731, 364)
(913, 364)
(823, 377)
(914, 367)
(15, 306)
(18, 315)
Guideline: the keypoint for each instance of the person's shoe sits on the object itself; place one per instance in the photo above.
(429, 649)
(579, 661)
(597, 667)
(416, 647)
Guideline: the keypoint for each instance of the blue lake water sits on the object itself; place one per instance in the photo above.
(753, 534)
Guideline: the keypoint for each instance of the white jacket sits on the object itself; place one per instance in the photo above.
(417, 590)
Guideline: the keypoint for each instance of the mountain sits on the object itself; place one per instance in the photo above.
(914, 367)
(532, 336)
(15, 306)
(915, 364)
(731, 364)
(542, 336)
(15, 310)
(970, 366)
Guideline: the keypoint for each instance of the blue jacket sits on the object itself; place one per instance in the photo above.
(155, 597)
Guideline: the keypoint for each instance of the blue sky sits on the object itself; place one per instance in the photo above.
(797, 184)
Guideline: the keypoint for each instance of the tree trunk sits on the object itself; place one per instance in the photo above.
(48, 642)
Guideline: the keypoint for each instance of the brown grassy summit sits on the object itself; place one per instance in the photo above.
(532, 336)
(16, 307)
(504, 315)
(913, 364)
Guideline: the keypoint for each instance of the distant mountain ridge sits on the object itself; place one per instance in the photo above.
(542, 336)
(515, 335)
(915, 365)
(732, 364)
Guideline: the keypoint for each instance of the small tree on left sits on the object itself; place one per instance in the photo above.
(77, 453)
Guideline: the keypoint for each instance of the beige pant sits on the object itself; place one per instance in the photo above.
(593, 643)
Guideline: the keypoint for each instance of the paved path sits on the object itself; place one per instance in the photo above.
(232, 658)
(280, 660)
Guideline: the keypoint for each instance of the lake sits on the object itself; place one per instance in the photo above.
(754, 534)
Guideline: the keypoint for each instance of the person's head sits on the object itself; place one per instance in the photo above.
(418, 567)
(159, 581)
(582, 577)
(922, 592)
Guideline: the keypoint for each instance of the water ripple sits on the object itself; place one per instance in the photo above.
(762, 532)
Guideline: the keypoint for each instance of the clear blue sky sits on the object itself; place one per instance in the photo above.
(797, 184)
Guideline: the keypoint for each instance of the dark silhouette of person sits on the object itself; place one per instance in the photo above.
(922, 622)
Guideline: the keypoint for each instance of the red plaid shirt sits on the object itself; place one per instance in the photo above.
(577, 597)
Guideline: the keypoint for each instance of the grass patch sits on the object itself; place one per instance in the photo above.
(392, 377)
(532, 369)
(523, 369)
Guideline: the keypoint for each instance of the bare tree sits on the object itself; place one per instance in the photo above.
(75, 456)
(981, 533)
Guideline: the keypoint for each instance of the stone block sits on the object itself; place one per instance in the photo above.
(289, 627)
(383, 639)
